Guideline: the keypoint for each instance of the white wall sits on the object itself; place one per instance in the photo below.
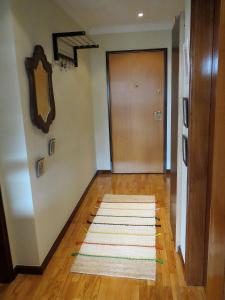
(112, 42)
(182, 130)
(54, 195)
(14, 170)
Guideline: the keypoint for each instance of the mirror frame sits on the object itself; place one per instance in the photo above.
(31, 64)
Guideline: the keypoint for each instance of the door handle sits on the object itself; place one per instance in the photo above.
(157, 115)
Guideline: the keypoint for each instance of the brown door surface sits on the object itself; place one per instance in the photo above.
(201, 101)
(137, 83)
(216, 249)
(174, 123)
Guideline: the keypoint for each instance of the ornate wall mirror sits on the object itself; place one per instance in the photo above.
(42, 103)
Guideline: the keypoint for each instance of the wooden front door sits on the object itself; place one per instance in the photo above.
(137, 93)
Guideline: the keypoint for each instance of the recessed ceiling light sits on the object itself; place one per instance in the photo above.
(140, 14)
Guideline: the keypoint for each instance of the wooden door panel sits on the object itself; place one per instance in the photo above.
(137, 91)
(202, 21)
(216, 243)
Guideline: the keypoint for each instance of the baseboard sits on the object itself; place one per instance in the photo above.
(99, 172)
(31, 270)
(39, 270)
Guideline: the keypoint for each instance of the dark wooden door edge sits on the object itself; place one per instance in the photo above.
(39, 270)
(215, 283)
(211, 129)
(165, 97)
(7, 273)
(202, 20)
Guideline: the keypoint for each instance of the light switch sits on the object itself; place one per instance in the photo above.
(51, 146)
(40, 167)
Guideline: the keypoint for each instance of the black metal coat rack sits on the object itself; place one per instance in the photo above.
(66, 44)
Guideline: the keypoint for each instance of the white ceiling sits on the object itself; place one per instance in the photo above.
(100, 16)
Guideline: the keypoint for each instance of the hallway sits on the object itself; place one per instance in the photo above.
(58, 283)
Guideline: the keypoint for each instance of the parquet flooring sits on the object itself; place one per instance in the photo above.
(58, 283)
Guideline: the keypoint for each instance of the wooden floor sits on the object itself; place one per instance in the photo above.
(59, 284)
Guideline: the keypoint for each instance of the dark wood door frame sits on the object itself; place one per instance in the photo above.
(212, 128)
(7, 273)
(165, 98)
(215, 283)
(203, 39)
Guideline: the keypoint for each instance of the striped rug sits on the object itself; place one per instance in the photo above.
(120, 241)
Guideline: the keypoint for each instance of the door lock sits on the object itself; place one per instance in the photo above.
(157, 115)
